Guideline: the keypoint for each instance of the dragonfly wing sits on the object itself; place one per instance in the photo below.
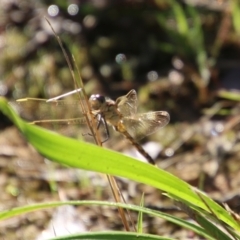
(127, 104)
(68, 127)
(142, 125)
(38, 109)
(61, 116)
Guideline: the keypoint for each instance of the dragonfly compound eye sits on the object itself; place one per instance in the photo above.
(96, 101)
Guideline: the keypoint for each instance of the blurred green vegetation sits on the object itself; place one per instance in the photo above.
(170, 51)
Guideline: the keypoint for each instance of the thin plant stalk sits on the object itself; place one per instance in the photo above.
(91, 122)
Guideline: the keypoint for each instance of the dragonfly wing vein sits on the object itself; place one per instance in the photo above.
(142, 125)
(127, 104)
(35, 109)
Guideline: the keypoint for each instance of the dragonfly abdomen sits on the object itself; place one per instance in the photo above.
(121, 128)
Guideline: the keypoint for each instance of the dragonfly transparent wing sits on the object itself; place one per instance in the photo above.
(127, 104)
(39, 109)
(142, 125)
(56, 115)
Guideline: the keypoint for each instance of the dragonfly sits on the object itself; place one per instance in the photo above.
(121, 114)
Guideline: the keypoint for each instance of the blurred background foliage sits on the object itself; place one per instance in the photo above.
(174, 52)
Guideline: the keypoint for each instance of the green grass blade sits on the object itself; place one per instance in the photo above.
(30, 208)
(234, 96)
(181, 18)
(214, 230)
(140, 217)
(112, 235)
(235, 6)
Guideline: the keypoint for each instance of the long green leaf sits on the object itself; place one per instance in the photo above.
(30, 208)
(112, 235)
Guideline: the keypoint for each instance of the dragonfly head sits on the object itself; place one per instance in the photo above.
(96, 101)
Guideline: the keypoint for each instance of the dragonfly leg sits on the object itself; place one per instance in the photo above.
(103, 121)
(100, 121)
(98, 116)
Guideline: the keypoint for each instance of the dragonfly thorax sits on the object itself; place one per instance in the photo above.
(105, 107)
